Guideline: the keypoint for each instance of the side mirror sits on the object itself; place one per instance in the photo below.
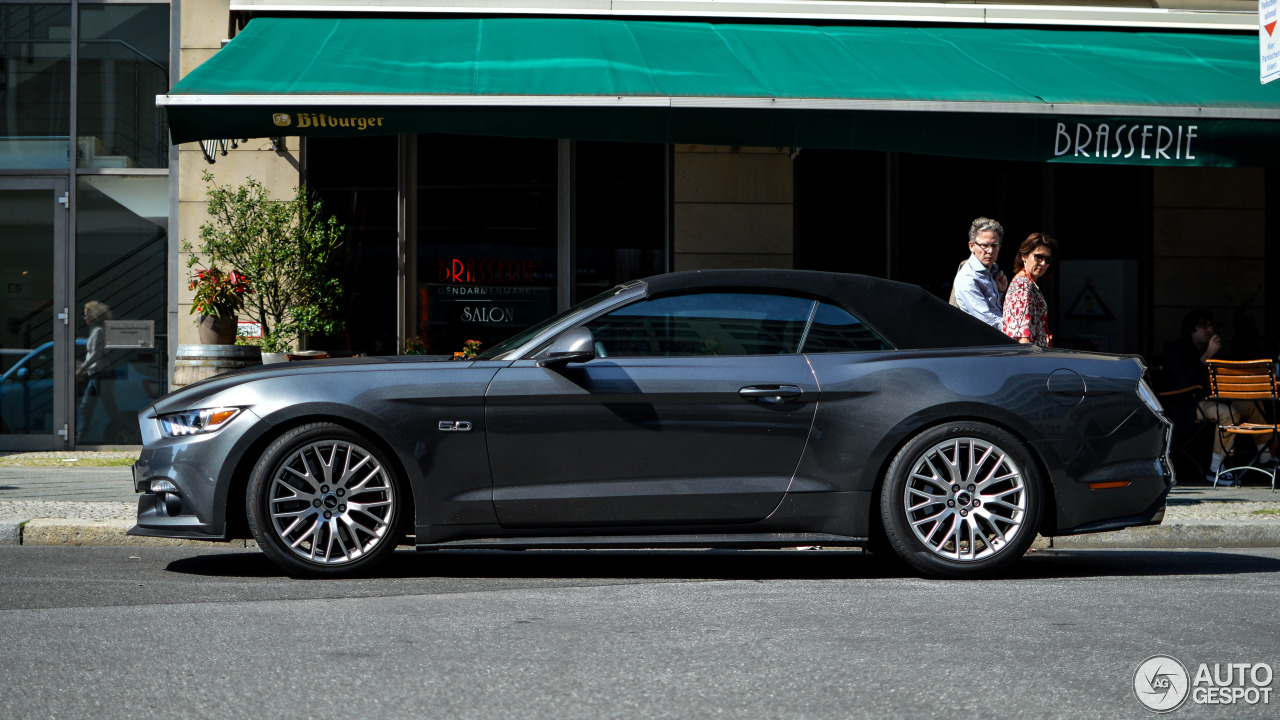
(23, 373)
(573, 346)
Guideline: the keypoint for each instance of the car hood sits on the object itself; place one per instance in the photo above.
(189, 396)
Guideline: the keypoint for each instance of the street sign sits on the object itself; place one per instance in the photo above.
(1268, 53)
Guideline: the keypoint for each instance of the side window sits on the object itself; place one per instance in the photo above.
(837, 330)
(712, 323)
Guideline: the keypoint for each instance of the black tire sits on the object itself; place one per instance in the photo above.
(976, 499)
(319, 470)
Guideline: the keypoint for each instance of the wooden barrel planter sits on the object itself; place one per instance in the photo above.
(197, 362)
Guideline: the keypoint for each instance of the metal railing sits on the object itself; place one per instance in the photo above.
(117, 86)
(115, 284)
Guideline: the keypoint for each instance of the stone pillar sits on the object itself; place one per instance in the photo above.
(204, 25)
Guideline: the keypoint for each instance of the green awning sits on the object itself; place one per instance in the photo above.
(1095, 96)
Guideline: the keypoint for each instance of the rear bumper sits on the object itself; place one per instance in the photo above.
(1136, 454)
(1153, 515)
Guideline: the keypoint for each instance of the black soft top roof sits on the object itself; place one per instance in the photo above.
(905, 315)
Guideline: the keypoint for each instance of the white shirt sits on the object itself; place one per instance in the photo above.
(95, 354)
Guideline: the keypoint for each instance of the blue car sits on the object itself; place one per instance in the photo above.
(26, 397)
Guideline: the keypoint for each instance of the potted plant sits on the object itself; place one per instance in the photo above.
(286, 250)
(470, 349)
(218, 297)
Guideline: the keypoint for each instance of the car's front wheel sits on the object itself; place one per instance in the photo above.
(324, 501)
(962, 499)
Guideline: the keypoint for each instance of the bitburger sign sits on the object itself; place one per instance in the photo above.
(320, 120)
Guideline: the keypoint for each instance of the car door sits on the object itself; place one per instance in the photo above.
(695, 410)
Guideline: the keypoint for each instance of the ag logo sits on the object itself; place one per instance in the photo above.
(1161, 683)
(282, 119)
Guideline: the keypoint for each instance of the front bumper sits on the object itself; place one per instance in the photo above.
(200, 467)
(166, 514)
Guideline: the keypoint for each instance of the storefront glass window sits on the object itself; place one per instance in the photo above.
(932, 228)
(27, 232)
(355, 178)
(620, 214)
(486, 239)
(124, 64)
(840, 211)
(1096, 285)
(121, 252)
(35, 82)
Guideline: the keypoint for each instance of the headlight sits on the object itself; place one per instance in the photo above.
(193, 422)
(1149, 397)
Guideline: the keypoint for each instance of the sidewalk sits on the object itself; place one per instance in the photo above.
(76, 505)
(53, 498)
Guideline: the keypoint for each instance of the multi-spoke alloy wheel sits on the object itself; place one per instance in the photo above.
(965, 499)
(321, 500)
(961, 499)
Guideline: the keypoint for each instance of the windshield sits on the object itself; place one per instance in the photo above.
(497, 351)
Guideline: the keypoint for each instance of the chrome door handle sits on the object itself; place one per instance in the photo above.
(770, 393)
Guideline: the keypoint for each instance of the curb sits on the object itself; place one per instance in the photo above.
(99, 533)
(1179, 535)
(10, 532)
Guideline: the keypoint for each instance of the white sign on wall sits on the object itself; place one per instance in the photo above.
(130, 334)
(248, 329)
(1268, 52)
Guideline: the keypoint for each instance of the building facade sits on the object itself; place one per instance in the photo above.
(475, 219)
(84, 220)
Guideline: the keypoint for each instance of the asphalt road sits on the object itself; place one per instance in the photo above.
(174, 632)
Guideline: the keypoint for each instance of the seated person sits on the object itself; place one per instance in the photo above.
(1184, 365)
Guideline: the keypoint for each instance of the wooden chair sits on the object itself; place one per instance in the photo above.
(1245, 380)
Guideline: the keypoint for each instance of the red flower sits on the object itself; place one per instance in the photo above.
(218, 293)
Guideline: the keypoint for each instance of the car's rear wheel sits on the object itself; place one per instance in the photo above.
(962, 499)
(323, 501)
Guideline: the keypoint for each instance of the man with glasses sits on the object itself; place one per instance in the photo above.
(1184, 366)
(979, 285)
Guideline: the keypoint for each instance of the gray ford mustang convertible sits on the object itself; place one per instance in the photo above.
(753, 409)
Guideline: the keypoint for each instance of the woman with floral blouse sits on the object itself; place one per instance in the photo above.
(1026, 316)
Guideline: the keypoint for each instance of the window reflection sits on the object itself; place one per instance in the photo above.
(27, 225)
(835, 329)
(35, 82)
(121, 250)
(703, 324)
(486, 238)
(124, 64)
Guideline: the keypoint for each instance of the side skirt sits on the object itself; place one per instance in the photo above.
(730, 540)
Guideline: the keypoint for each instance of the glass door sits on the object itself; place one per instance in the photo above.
(35, 367)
